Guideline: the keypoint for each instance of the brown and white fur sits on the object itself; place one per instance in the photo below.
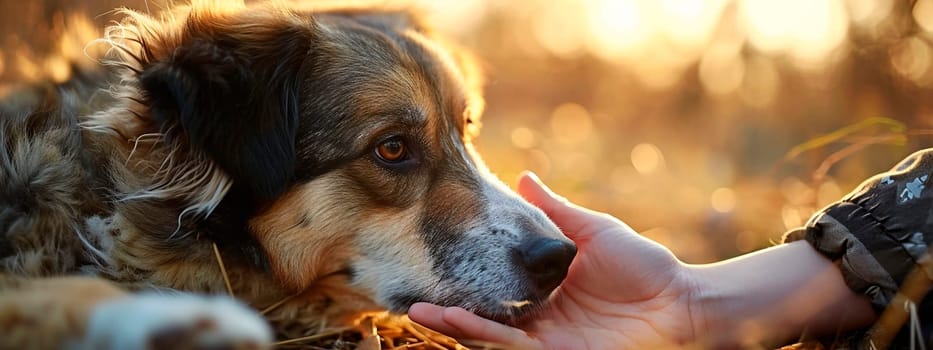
(326, 154)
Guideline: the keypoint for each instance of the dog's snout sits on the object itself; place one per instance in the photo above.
(546, 260)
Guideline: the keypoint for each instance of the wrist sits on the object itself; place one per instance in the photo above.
(700, 305)
(724, 312)
(771, 296)
(713, 325)
(731, 309)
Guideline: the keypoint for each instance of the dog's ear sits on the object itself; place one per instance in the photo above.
(234, 96)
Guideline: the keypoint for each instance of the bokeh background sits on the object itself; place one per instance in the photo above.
(711, 126)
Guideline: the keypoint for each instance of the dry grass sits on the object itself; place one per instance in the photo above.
(379, 331)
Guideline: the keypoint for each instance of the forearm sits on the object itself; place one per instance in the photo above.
(773, 295)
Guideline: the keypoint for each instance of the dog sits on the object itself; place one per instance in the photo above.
(312, 163)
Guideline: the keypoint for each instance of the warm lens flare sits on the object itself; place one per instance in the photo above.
(677, 116)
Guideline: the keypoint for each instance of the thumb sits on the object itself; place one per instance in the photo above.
(578, 223)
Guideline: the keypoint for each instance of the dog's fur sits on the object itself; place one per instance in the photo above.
(256, 129)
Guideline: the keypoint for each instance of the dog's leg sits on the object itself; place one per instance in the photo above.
(87, 313)
(44, 313)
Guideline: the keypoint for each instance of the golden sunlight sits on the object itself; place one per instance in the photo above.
(587, 93)
(806, 30)
(571, 124)
(646, 158)
(923, 14)
(523, 137)
(869, 13)
(911, 58)
(723, 200)
(616, 27)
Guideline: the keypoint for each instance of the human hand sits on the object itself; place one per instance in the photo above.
(622, 290)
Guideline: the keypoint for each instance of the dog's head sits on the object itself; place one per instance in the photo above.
(351, 131)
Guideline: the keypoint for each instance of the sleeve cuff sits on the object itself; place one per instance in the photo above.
(860, 270)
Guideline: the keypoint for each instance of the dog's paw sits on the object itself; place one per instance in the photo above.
(177, 321)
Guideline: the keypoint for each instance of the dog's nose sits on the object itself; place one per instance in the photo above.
(546, 260)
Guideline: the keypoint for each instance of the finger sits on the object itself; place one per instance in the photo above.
(478, 328)
(462, 324)
(432, 316)
(576, 222)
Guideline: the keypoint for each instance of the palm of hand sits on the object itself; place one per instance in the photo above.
(623, 291)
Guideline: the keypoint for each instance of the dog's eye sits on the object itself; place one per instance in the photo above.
(391, 150)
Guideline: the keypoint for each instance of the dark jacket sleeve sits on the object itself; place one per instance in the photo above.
(879, 232)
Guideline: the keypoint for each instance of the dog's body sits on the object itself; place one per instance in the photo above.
(325, 156)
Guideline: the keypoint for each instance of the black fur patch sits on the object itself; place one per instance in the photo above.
(237, 104)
